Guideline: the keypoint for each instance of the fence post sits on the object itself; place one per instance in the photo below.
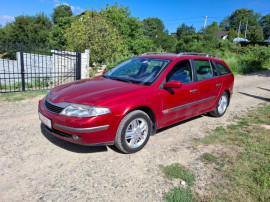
(78, 66)
(22, 67)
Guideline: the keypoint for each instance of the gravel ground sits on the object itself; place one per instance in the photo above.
(35, 166)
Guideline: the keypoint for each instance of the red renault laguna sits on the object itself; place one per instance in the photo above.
(129, 103)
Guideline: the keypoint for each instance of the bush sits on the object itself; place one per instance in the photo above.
(93, 31)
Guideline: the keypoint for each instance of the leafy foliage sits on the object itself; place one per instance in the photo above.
(255, 33)
(94, 32)
(61, 11)
(184, 30)
(165, 42)
(152, 27)
(210, 32)
(265, 24)
(142, 45)
(28, 29)
(241, 17)
(128, 27)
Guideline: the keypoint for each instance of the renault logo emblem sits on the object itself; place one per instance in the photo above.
(55, 97)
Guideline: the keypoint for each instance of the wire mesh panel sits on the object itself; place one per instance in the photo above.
(32, 67)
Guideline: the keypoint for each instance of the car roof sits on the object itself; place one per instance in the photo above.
(184, 55)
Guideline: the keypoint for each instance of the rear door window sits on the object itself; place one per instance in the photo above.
(204, 69)
(223, 69)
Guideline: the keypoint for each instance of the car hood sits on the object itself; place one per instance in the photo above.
(94, 91)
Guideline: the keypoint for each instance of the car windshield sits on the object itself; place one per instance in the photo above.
(138, 70)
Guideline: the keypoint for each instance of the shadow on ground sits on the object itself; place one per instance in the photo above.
(179, 123)
(264, 89)
(255, 96)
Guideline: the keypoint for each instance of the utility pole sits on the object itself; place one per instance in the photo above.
(205, 22)
(239, 30)
(246, 30)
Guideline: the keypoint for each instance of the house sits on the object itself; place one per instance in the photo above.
(222, 34)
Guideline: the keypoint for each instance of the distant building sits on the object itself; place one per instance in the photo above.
(222, 34)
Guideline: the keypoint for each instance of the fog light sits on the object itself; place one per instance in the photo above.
(75, 137)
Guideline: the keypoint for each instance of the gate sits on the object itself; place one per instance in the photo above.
(30, 67)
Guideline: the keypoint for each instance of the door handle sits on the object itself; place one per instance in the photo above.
(192, 91)
(219, 84)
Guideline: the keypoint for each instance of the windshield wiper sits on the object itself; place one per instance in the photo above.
(120, 79)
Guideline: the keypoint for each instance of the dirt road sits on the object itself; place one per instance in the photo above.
(35, 166)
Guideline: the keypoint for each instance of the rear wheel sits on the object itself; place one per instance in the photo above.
(221, 106)
(133, 132)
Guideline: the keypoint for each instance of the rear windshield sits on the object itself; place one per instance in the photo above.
(138, 70)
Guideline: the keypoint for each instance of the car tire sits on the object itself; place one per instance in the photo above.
(221, 106)
(133, 132)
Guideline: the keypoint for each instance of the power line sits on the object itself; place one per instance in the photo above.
(184, 19)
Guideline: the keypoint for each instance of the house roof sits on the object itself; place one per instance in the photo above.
(221, 34)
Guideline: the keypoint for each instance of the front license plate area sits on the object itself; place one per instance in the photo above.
(45, 120)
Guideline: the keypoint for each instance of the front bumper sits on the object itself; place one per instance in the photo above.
(100, 130)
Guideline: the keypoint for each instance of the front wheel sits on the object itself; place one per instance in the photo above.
(221, 106)
(133, 132)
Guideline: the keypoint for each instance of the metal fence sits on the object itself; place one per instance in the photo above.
(31, 67)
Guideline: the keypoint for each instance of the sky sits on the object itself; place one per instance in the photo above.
(172, 12)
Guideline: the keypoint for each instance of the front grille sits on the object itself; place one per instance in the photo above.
(53, 108)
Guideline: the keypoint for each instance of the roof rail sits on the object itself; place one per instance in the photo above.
(195, 53)
(154, 53)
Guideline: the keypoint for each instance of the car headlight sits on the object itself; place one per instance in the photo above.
(76, 110)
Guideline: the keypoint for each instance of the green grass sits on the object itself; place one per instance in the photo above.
(179, 194)
(18, 96)
(248, 173)
(177, 171)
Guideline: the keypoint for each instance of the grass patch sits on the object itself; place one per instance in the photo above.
(177, 171)
(247, 176)
(18, 96)
(179, 194)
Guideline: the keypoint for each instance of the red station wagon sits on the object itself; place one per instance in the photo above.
(130, 102)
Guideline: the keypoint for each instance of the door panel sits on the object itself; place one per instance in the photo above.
(209, 84)
(177, 103)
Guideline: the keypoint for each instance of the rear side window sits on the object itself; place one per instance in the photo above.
(223, 69)
(205, 69)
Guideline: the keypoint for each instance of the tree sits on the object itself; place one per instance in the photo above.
(57, 34)
(61, 11)
(232, 34)
(62, 18)
(94, 32)
(184, 30)
(210, 32)
(120, 17)
(240, 15)
(255, 33)
(142, 45)
(244, 16)
(166, 42)
(28, 29)
(153, 27)
(2, 36)
(265, 24)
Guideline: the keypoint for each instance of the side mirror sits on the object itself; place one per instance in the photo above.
(173, 84)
